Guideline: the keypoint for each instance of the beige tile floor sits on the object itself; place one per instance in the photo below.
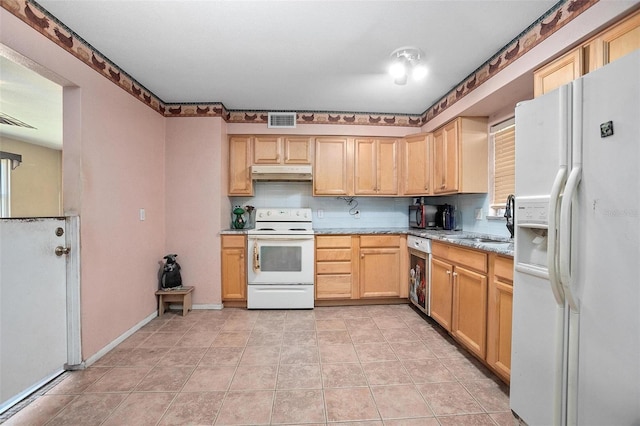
(365, 365)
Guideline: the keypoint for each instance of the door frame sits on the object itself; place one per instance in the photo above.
(74, 338)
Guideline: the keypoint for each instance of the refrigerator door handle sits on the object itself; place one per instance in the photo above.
(552, 239)
(565, 237)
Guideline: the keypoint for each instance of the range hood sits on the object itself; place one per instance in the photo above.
(280, 172)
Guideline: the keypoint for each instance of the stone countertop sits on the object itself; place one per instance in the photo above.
(504, 247)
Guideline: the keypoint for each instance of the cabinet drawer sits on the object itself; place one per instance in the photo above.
(503, 268)
(333, 286)
(233, 241)
(328, 255)
(333, 267)
(380, 241)
(470, 258)
(331, 242)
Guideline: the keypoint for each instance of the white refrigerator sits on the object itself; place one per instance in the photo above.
(576, 301)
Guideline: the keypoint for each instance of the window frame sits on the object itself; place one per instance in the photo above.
(496, 207)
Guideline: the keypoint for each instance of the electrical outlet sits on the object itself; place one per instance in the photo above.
(142, 214)
(478, 214)
(320, 213)
(357, 214)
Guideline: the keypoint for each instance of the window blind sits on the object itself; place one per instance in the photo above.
(504, 165)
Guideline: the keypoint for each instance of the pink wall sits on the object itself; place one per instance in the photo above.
(113, 161)
(195, 190)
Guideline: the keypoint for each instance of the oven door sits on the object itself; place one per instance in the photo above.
(419, 279)
(280, 259)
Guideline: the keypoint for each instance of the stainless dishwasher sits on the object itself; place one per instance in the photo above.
(419, 272)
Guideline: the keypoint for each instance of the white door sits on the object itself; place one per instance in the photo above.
(33, 305)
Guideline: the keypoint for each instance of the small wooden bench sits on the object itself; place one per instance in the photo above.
(179, 295)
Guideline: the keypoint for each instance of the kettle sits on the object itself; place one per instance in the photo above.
(510, 213)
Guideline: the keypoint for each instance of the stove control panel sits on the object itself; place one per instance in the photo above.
(284, 214)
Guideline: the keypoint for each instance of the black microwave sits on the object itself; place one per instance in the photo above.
(422, 216)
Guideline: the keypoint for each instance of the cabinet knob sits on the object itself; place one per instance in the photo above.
(362, 256)
(448, 272)
(455, 274)
(443, 186)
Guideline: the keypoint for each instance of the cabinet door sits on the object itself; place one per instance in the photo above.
(446, 158)
(376, 167)
(233, 268)
(470, 309)
(441, 292)
(500, 308)
(333, 166)
(416, 165)
(559, 72)
(499, 331)
(266, 150)
(366, 167)
(239, 166)
(297, 150)
(616, 42)
(387, 167)
(380, 272)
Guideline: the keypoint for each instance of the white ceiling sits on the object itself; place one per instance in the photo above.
(293, 55)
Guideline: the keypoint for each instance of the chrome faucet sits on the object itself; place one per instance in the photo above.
(510, 213)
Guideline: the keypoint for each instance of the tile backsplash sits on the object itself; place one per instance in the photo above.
(375, 212)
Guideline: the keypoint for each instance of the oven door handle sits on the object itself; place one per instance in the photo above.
(281, 237)
(256, 257)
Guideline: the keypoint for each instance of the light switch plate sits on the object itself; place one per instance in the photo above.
(478, 214)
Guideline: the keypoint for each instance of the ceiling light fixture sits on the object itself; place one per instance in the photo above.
(405, 61)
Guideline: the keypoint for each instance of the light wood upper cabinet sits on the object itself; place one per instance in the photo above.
(460, 151)
(333, 166)
(376, 167)
(417, 164)
(240, 166)
(615, 42)
(281, 150)
(500, 309)
(607, 46)
(559, 72)
(233, 268)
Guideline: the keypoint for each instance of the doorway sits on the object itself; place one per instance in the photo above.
(39, 250)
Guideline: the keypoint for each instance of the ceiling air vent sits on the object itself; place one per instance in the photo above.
(12, 121)
(282, 120)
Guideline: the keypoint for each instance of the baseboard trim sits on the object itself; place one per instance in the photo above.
(102, 352)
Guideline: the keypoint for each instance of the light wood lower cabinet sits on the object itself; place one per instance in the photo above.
(380, 263)
(361, 267)
(441, 292)
(499, 315)
(459, 294)
(334, 278)
(234, 268)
